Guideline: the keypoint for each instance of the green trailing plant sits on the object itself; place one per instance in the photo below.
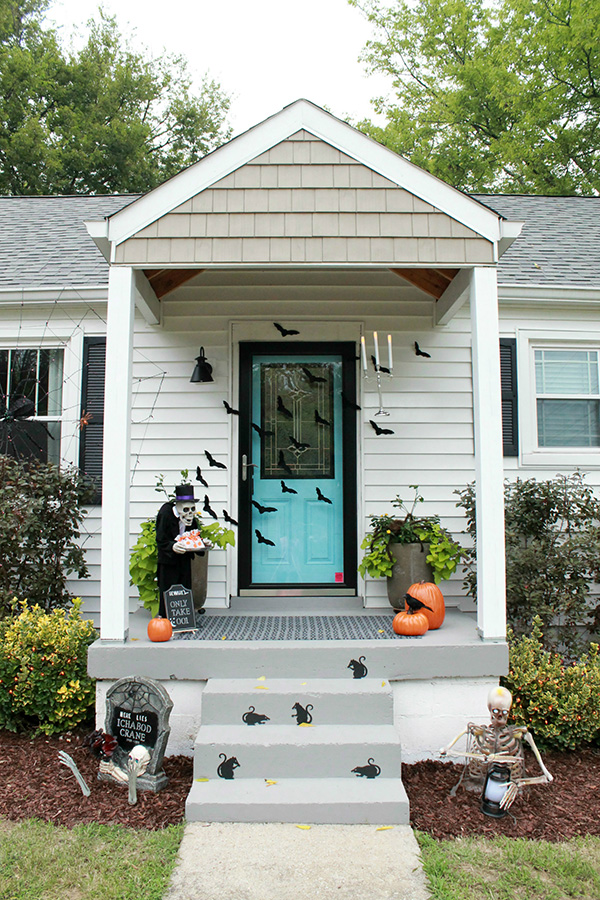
(558, 701)
(143, 560)
(44, 685)
(552, 533)
(41, 511)
(444, 552)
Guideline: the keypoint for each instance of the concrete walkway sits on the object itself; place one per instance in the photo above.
(230, 861)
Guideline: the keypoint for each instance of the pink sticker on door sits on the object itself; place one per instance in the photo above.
(339, 576)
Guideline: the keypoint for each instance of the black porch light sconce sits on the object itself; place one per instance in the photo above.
(202, 373)
(496, 785)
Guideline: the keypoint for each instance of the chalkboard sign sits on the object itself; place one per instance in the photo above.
(131, 727)
(179, 604)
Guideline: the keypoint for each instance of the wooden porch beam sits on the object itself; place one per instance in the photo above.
(432, 281)
(163, 281)
(455, 296)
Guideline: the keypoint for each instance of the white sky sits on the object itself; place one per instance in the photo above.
(265, 53)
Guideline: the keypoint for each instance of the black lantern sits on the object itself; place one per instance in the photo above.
(203, 370)
(495, 787)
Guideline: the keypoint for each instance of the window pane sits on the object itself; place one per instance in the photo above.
(3, 378)
(566, 371)
(568, 423)
(28, 439)
(51, 396)
(23, 374)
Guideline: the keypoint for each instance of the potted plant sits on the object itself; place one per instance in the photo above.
(143, 560)
(406, 548)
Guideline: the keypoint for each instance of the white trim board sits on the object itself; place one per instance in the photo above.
(302, 115)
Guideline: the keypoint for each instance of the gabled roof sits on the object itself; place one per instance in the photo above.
(44, 241)
(559, 244)
(302, 116)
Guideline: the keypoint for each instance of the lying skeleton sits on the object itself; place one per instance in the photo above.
(497, 742)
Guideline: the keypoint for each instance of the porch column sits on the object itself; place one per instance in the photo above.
(489, 465)
(114, 587)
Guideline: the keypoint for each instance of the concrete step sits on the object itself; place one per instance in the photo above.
(320, 751)
(333, 700)
(344, 801)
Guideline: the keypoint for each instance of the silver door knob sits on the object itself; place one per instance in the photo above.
(245, 466)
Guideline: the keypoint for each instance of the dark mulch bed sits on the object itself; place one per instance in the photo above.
(34, 784)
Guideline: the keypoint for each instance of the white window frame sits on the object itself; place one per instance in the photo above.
(72, 348)
(528, 341)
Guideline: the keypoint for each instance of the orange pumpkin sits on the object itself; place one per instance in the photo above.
(160, 629)
(410, 623)
(430, 595)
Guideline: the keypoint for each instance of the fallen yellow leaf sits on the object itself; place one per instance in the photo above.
(260, 687)
(304, 827)
(384, 828)
(303, 683)
(381, 631)
(306, 725)
(200, 779)
(269, 782)
(383, 684)
(224, 638)
(261, 678)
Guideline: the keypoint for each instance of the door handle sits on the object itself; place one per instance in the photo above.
(245, 466)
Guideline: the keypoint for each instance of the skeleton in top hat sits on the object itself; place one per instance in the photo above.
(174, 561)
(497, 742)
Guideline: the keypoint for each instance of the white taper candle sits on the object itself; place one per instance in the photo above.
(376, 348)
(390, 363)
(363, 349)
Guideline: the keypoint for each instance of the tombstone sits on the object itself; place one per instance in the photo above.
(137, 712)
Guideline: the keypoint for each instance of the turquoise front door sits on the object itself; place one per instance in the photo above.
(297, 474)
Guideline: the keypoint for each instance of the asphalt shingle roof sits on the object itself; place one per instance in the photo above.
(559, 243)
(44, 243)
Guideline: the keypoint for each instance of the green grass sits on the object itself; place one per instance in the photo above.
(511, 869)
(40, 861)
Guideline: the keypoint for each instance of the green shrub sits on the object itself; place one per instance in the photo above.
(41, 510)
(552, 532)
(44, 683)
(558, 702)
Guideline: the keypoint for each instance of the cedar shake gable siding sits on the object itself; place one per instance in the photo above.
(303, 201)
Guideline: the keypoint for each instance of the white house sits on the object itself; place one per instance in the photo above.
(303, 222)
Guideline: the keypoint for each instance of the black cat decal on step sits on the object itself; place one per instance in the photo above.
(225, 769)
(303, 717)
(253, 718)
(371, 770)
(358, 668)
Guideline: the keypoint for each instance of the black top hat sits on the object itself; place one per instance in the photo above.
(184, 492)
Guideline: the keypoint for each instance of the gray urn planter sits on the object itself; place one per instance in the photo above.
(410, 566)
(199, 578)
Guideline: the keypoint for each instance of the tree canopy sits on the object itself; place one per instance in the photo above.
(104, 119)
(491, 94)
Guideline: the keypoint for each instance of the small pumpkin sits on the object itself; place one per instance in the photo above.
(410, 623)
(160, 629)
(429, 594)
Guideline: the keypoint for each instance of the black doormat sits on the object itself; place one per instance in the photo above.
(291, 628)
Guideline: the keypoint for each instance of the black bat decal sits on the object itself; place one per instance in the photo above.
(298, 444)
(282, 463)
(283, 409)
(230, 410)
(351, 404)
(287, 490)
(264, 509)
(379, 368)
(379, 430)
(213, 462)
(319, 420)
(284, 331)
(419, 352)
(313, 379)
(228, 518)
(199, 477)
(262, 432)
(208, 509)
(263, 540)
(320, 496)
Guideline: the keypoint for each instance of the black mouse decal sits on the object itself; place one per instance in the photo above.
(254, 718)
(371, 770)
(358, 668)
(225, 768)
(303, 717)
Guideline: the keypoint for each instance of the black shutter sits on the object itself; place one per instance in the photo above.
(508, 378)
(92, 411)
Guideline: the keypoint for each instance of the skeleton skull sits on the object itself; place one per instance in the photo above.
(139, 758)
(186, 510)
(499, 704)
